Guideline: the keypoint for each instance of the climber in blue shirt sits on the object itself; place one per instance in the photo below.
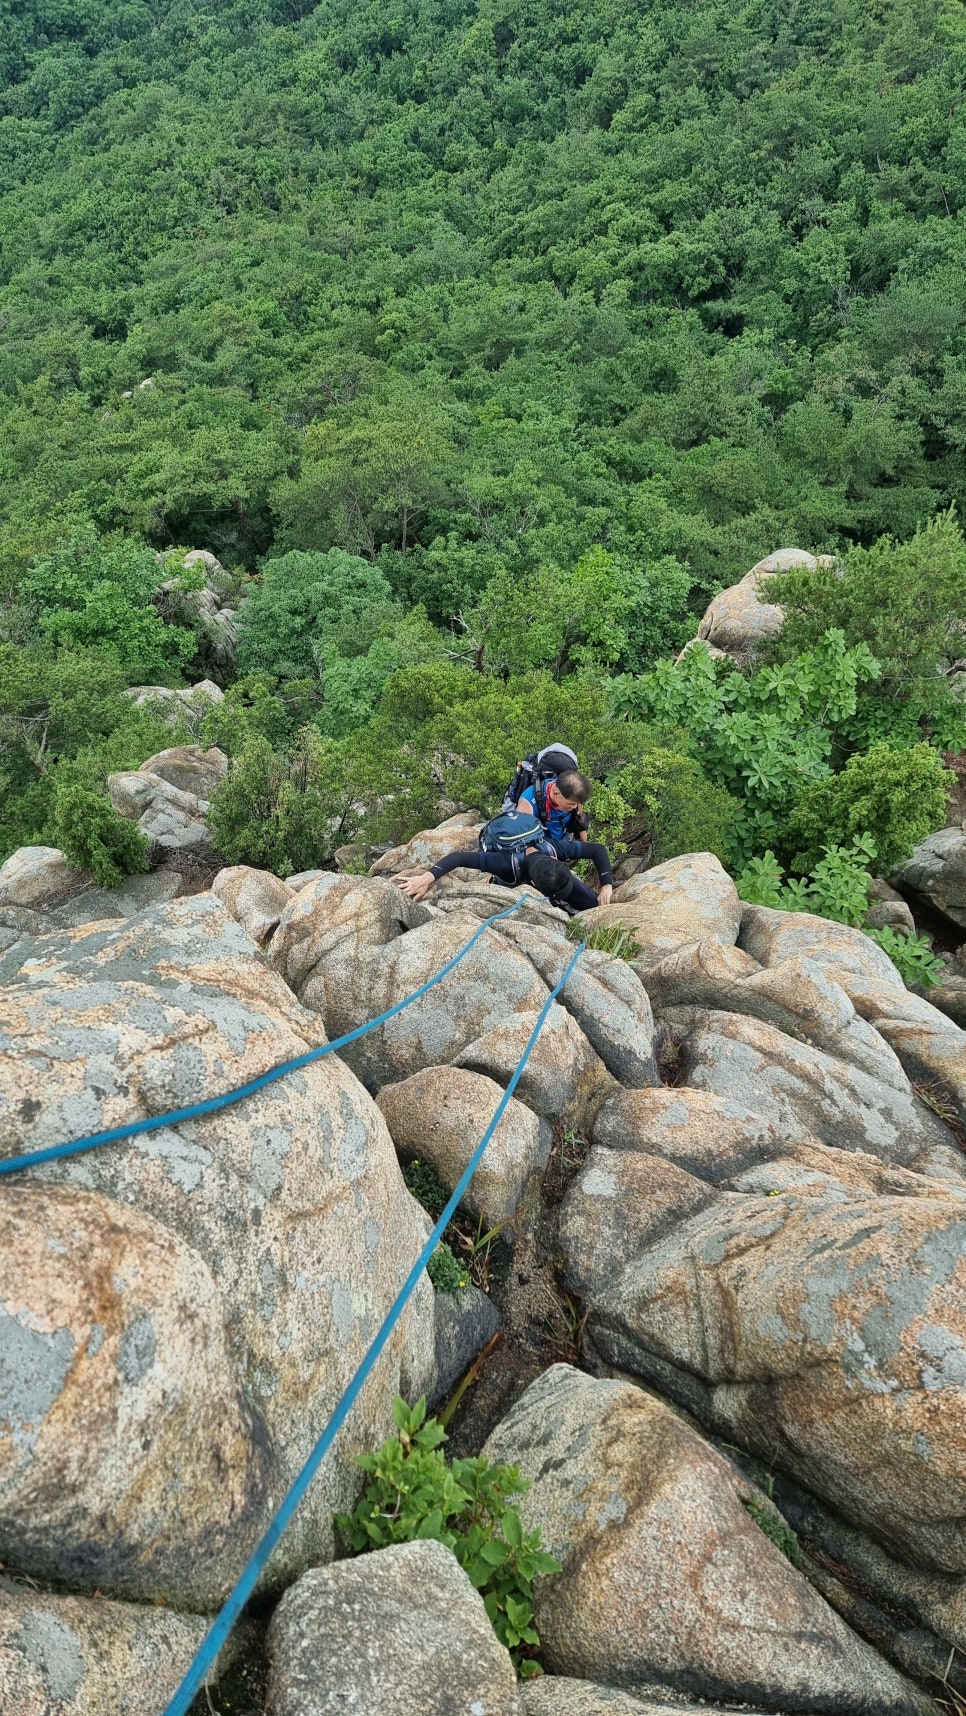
(558, 803)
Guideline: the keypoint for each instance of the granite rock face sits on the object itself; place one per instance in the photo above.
(665, 1575)
(807, 1302)
(399, 1632)
(282, 1201)
(86, 1656)
(683, 901)
(440, 1114)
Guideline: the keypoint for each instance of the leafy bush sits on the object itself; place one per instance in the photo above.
(88, 596)
(838, 888)
(305, 600)
(665, 799)
(898, 796)
(912, 957)
(760, 736)
(414, 1493)
(93, 837)
(900, 600)
(283, 810)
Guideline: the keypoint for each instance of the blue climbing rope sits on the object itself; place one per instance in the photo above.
(221, 1626)
(196, 1110)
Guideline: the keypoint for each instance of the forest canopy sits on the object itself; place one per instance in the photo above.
(472, 337)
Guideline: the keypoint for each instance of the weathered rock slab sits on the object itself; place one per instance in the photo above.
(86, 1656)
(666, 1577)
(399, 1632)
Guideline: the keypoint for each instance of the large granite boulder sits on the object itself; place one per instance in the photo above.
(666, 1576)
(37, 876)
(255, 898)
(937, 872)
(741, 618)
(439, 1116)
(114, 1347)
(86, 1656)
(400, 1632)
(680, 902)
(809, 1094)
(811, 1307)
(929, 1044)
(457, 834)
(169, 795)
(285, 1199)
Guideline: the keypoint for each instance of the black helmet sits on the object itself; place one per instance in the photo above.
(550, 877)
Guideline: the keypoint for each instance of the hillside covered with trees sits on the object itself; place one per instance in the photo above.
(482, 343)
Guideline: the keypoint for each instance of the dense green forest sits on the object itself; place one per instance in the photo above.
(483, 343)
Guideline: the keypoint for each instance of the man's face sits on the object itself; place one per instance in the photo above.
(559, 800)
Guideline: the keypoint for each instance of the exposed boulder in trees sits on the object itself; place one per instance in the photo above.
(937, 872)
(169, 795)
(739, 620)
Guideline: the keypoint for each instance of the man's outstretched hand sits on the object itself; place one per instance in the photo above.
(606, 895)
(417, 887)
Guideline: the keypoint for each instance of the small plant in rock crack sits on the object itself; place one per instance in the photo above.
(781, 1535)
(413, 1492)
(615, 939)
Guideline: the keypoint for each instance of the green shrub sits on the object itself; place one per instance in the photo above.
(445, 1272)
(902, 601)
(469, 1505)
(838, 888)
(776, 1529)
(898, 796)
(282, 811)
(912, 957)
(760, 736)
(93, 837)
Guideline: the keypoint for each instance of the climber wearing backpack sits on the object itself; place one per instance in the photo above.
(549, 785)
(514, 847)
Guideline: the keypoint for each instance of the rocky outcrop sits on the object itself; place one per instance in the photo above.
(440, 1114)
(666, 1576)
(85, 1656)
(928, 1044)
(774, 1242)
(213, 609)
(276, 1210)
(178, 708)
(937, 872)
(168, 796)
(351, 947)
(400, 1632)
(741, 618)
(808, 1303)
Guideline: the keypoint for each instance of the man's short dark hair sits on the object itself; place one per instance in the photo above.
(575, 785)
(550, 877)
